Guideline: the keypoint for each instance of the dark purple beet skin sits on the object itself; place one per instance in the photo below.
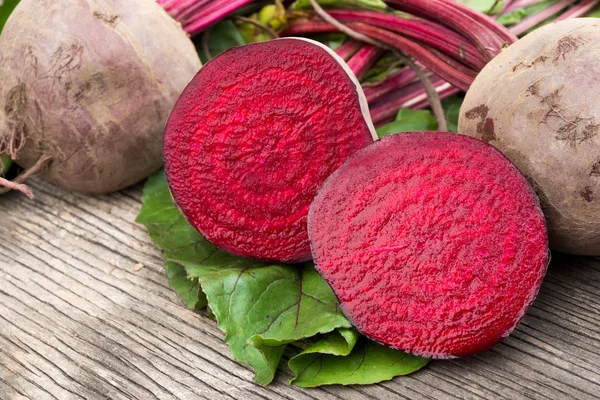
(434, 243)
(253, 137)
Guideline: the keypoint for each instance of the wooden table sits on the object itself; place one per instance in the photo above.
(79, 318)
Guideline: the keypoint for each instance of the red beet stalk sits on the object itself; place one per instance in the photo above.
(348, 49)
(520, 4)
(401, 43)
(190, 8)
(395, 81)
(484, 31)
(410, 96)
(579, 10)
(427, 32)
(535, 19)
(507, 4)
(197, 15)
(489, 22)
(218, 10)
(418, 52)
(364, 59)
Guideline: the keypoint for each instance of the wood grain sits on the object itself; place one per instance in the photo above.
(80, 319)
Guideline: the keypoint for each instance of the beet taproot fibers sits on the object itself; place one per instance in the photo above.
(253, 137)
(434, 243)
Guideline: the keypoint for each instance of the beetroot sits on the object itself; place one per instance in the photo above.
(547, 121)
(434, 243)
(252, 138)
(86, 87)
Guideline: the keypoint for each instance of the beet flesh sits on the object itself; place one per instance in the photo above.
(89, 84)
(253, 137)
(434, 243)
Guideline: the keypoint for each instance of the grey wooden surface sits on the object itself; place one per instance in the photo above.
(80, 318)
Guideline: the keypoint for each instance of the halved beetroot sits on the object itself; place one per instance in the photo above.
(253, 137)
(434, 243)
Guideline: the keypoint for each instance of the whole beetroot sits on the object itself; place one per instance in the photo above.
(537, 101)
(86, 87)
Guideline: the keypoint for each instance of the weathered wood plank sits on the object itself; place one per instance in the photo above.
(77, 320)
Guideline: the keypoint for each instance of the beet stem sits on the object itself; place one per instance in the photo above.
(348, 49)
(176, 7)
(212, 14)
(343, 28)
(507, 4)
(364, 59)
(579, 10)
(196, 15)
(432, 95)
(395, 81)
(487, 34)
(189, 8)
(536, 19)
(520, 4)
(409, 96)
(432, 34)
(419, 52)
(486, 21)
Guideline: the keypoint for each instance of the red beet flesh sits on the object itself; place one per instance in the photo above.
(434, 243)
(253, 137)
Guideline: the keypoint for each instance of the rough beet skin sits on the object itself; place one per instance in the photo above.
(86, 88)
(537, 102)
(434, 243)
(253, 137)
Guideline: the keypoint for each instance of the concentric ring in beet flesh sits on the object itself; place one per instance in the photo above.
(434, 243)
(253, 137)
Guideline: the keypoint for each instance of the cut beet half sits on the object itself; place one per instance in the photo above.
(434, 243)
(253, 137)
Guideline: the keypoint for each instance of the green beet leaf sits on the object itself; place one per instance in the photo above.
(188, 289)
(409, 120)
(345, 358)
(338, 343)
(264, 307)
